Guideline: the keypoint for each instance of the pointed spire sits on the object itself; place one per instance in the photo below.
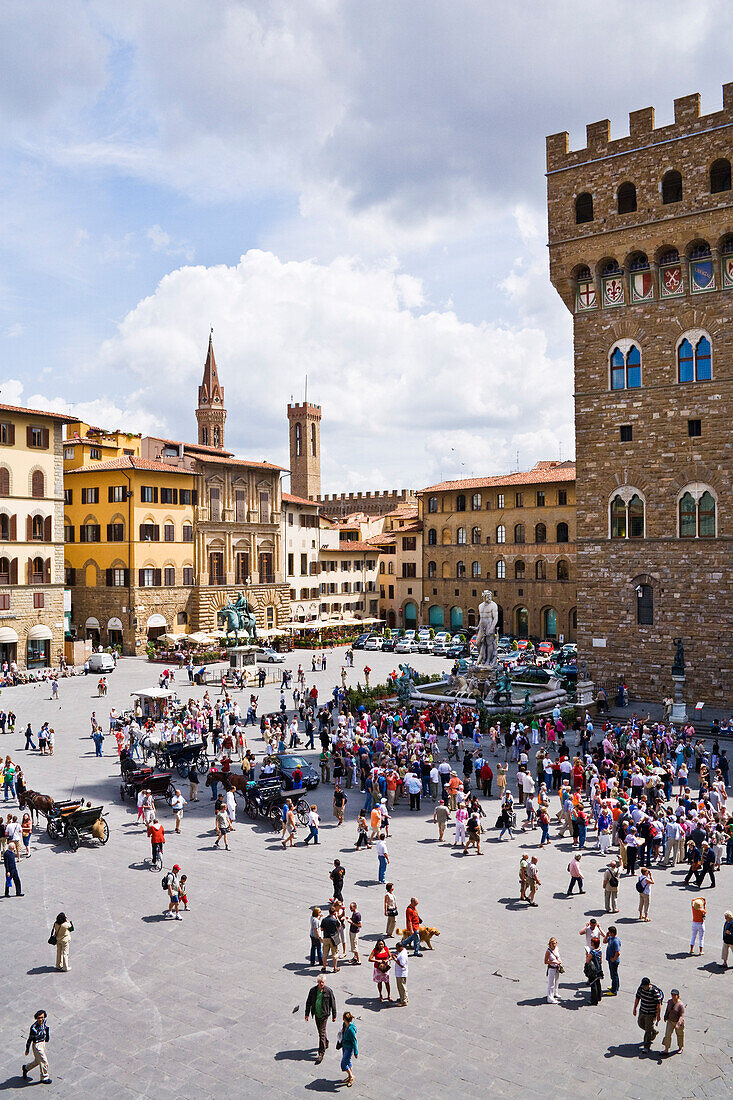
(210, 391)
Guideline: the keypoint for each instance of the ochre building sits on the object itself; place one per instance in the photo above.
(641, 252)
(514, 535)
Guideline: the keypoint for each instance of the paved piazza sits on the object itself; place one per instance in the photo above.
(212, 1006)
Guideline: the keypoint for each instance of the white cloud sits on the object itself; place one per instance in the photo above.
(160, 241)
(399, 384)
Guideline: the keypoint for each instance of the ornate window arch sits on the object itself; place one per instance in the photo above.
(562, 533)
(519, 570)
(626, 198)
(719, 176)
(624, 365)
(500, 569)
(540, 532)
(563, 570)
(476, 536)
(460, 570)
(475, 568)
(627, 514)
(697, 511)
(461, 538)
(519, 532)
(694, 356)
(540, 570)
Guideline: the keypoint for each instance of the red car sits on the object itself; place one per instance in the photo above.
(546, 648)
(522, 643)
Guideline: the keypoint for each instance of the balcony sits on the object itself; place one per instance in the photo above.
(266, 578)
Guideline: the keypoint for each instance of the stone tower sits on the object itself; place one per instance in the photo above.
(641, 252)
(211, 414)
(305, 450)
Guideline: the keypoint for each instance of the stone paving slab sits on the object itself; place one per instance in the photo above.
(206, 1006)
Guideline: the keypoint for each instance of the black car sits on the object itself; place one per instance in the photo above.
(361, 640)
(287, 766)
(458, 649)
(389, 644)
(526, 674)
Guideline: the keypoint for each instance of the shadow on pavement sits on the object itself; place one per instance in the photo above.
(43, 970)
(295, 1056)
(625, 1050)
(154, 918)
(372, 1003)
(14, 1083)
(322, 1084)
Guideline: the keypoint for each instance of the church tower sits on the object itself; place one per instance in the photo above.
(211, 413)
(305, 450)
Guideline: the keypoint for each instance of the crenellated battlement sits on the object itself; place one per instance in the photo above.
(688, 121)
(303, 408)
(375, 503)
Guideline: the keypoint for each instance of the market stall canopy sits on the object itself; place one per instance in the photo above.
(171, 639)
(200, 638)
(153, 693)
(272, 632)
(39, 633)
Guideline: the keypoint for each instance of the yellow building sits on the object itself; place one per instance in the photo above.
(31, 533)
(400, 567)
(129, 542)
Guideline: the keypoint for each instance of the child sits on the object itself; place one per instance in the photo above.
(182, 890)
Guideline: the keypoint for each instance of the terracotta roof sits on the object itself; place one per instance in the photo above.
(190, 446)
(90, 441)
(288, 498)
(402, 511)
(130, 462)
(348, 547)
(538, 475)
(226, 461)
(40, 412)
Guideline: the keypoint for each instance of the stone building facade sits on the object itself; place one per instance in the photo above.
(31, 537)
(379, 503)
(400, 568)
(305, 450)
(514, 535)
(641, 252)
(301, 537)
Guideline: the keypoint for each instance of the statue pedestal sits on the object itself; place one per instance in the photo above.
(679, 707)
(585, 693)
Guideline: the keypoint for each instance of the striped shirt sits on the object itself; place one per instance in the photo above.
(649, 997)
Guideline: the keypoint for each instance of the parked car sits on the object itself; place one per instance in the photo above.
(406, 645)
(268, 656)
(441, 649)
(508, 660)
(425, 645)
(546, 649)
(528, 674)
(522, 643)
(569, 676)
(458, 649)
(569, 651)
(443, 637)
(100, 662)
(361, 641)
(287, 766)
(374, 642)
(389, 644)
(409, 634)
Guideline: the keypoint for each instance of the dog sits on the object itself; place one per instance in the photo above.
(426, 935)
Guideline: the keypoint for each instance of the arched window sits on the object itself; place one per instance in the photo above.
(460, 503)
(216, 437)
(38, 484)
(471, 616)
(519, 532)
(205, 437)
(626, 368)
(561, 533)
(584, 208)
(540, 570)
(719, 176)
(37, 528)
(626, 198)
(501, 533)
(432, 569)
(432, 537)
(445, 537)
(563, 570)
(540, 533)
(314, 448)
(37, 571)
(475, 568)
(671, 187)
(461, 536)
(4, 482)
(460, 569)
(627, 515)
(476, 502)
(298, 441)
(446, 570)
(500, 569)
(432, 504)
(521, 616)
(645, 605)
(549, 623)
(456, 618)
(4, 528)
(694, 362)
(476, 536)
(697, 513)
(4, 570)
(519, 570)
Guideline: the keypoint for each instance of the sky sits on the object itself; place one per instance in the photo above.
(351, 192)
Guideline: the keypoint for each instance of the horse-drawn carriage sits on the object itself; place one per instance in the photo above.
(264, 798)
(181, 756)
(136, 779)
(70, 819)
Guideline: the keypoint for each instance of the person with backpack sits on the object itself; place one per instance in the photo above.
(593, 969)
(644, 884)
(727, 938)
(172, 886)
(610, 887)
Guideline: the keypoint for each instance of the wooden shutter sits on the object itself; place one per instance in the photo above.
(28, 528)
(11, 434)
(155, 494)
(156, 532)
(156, 578)
(44, 438)
(14, 571)
(13, 529)
(195, 496)
(110, 532)
(47, 570)
(110, 493)
(175, 496)
(110, 577)
(48, 529)
(140, 579)
(29, 436)
(126, 577)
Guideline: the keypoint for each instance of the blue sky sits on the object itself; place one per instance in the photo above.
(352, 191)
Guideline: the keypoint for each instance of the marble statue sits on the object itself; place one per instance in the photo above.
(488, 614)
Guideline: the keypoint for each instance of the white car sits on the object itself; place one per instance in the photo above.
(406, 645)
(269, 656)
(442, 638)
(374, 643)
(408, 636)
(100, 662)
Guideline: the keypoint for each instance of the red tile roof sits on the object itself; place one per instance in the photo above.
(539, 474)
(348, 547)
(130, 462)
(39, 412)
(288, 498)
(225, 461)
(191, 446)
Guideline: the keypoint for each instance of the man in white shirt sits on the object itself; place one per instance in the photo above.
(400, 972)
(382, 858)
(231, 808)
(177, 804)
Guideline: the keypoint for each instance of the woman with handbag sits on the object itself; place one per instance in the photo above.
(349, 1049)
(553, 962)
(390, 909)
(60, 937)
(380, 956)
(643, 885)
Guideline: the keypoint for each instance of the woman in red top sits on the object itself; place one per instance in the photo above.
(380, 957)
(578, 775)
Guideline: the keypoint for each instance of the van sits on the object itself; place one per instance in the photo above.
(100, 662)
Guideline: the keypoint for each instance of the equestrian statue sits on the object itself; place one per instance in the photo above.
(237, 615)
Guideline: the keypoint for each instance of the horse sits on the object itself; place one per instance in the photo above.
(229, 781)
(36, 803)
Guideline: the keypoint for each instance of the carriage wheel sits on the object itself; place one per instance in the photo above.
(302, 810)
(202, 763)
(250, 807)
(72, 835)
(182, 769)
(169, 793)
(159, 761)
(105, 832)
(54, 829)
(275, 816)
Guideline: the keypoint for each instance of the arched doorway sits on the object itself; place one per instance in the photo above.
(91, 627)
(156, 626)
(391, 619)
(500, 619)
(114, 631)
(456, 618)
(435, 616)
(549, 623)
(521, 620)
(410, 616)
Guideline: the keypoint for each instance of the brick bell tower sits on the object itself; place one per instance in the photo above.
(641, 253)
(211, 414)
(305, 450)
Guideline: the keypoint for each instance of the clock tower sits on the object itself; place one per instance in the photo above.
(211, 413)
